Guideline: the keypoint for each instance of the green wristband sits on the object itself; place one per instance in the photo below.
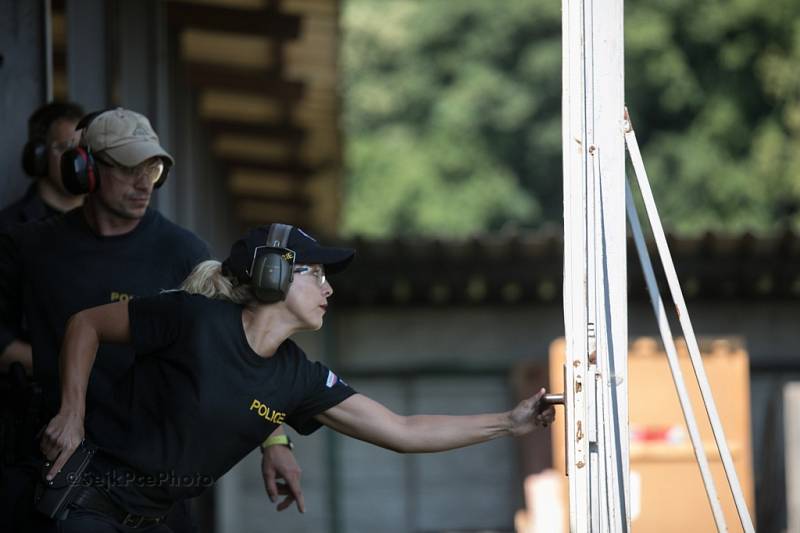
(275, 440)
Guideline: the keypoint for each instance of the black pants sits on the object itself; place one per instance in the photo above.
(82, 521)
(18, 515)
(20, 419)
(17, 487)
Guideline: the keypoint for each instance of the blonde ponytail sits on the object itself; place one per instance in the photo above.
(208, 280)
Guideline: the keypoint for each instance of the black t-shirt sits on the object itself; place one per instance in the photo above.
(28, 208)
(51, 269)
(198, 399)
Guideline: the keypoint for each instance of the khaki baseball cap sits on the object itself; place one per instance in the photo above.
(124, 136)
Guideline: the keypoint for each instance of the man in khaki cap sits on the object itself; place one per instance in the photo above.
(120, 161)
(113, 248)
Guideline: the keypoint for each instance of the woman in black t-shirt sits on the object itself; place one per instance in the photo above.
(216, 374)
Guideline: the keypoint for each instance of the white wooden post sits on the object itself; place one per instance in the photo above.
(791, 430)
(595, 278)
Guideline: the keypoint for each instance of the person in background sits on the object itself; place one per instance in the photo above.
(51, 132)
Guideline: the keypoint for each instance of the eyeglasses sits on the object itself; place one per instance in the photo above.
(318, 271)
(59, 148)
(150, 171)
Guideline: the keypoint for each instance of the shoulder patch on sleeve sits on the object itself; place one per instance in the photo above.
(332, 379)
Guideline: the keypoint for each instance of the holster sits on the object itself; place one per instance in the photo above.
(54, 497)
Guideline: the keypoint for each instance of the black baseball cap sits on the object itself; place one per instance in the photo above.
(307, 250)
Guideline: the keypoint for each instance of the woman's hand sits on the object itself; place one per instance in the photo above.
(531, 413)
(278, 462)
(61, 438)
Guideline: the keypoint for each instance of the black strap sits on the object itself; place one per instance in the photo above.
(278, 236)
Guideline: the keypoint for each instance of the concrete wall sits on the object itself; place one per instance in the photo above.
(22, 79)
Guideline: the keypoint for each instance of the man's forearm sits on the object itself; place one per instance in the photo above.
(77, 357)
(17, 351)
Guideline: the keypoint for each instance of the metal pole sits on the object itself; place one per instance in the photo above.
(48, 49)
(688, 330)
(672, 358)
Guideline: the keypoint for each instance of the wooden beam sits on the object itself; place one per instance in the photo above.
(297, 170)
(59, 25)
(60, 58)
(241, 50)
(272, 185)
(284, 132)
(268, 21)
(316, 8)
(252, 148)
(292, 201)
(257, 211)
(265, 83)
(243, 107)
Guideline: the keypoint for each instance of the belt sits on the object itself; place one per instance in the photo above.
(94, 500)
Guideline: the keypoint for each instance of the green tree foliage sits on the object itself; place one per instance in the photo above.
(713, 87)
(452, 113)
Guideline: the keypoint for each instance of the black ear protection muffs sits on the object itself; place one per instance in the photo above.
(34, 158)
(79, 168)
(273, 265)
(35, 153)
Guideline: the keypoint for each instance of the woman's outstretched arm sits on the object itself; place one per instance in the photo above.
(362, 418)
(85, 331)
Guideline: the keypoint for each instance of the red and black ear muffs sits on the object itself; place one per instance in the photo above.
(273, 266)
(79, 171)
(34, 158)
